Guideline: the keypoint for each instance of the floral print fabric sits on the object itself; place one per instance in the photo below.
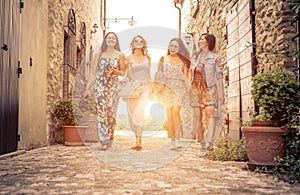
(174, 90)
(105, 87)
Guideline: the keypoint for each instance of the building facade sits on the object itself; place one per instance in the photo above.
(252, 35)
(53, 43)
(47, 45)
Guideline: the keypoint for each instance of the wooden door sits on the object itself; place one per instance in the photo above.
(9, 73)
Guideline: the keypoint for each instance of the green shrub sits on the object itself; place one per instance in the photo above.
(288, 168)
(227, 150)
(273, 91)
(68, 112)
(59, 135)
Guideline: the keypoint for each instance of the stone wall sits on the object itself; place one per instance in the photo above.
(273, 41)
(85, 11)
(43, 27)
(210, 16)
(273, 35)
(273, 29)
(266, 33)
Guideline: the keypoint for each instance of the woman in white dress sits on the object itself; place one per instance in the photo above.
(138, 68)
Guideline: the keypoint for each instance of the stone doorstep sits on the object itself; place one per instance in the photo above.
(12, 154)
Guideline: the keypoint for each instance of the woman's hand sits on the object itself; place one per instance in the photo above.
(112, 71)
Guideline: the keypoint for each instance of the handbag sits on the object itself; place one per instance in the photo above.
(132, 89)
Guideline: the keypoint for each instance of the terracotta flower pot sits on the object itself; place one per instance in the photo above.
(263, 145)
(74, 135)
(262, 123)
(91, 135)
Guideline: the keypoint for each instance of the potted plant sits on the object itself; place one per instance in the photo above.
(69, 115)
(274, 92)
(262, 119)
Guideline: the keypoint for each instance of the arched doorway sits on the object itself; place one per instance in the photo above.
(69, 65)
(81, 61)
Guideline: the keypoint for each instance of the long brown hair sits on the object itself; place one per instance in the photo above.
(104, 45)
(211, 40)
(183, 53)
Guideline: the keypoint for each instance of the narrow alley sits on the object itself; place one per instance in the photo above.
(59, 169)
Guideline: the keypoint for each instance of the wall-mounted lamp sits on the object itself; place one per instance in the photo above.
(132, 22)
(94, 30)
(181, 2)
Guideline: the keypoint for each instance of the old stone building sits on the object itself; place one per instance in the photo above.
(251, 36)
(44, 44)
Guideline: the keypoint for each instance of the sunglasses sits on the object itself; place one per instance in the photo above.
(138, 41)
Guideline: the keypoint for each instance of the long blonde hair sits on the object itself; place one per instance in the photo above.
(145, 47)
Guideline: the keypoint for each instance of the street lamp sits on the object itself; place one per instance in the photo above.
(180, 2)
(106, 21)
(103, 18)
(131, 21)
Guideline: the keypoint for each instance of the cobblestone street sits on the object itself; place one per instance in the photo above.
(59, 169)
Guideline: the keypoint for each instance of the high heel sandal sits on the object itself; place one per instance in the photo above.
(137, 147)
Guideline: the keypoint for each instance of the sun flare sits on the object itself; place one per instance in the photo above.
(154, 109)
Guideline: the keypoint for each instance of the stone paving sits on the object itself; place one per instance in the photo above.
(60, 169)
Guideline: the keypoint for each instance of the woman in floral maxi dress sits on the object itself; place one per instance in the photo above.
(107, 66)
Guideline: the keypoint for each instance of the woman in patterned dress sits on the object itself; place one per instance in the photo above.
(207, 65)
(175, 66)
(108, 64)
(138, 67)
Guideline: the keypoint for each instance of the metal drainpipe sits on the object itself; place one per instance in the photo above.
(179, 19)
(254, 61)
(104, 17)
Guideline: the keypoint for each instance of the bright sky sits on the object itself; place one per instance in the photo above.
(145, 12)
(157, 22)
